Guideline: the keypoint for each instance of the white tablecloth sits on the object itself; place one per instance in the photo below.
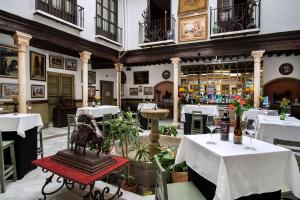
(143, 106)
(99, 111)
(272, 127)
(253, 113)
(19, 122)
(238, 172)
(205, 109)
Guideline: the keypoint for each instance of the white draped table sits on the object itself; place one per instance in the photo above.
(19, 122)
(253, 113)
(239, 172)
(205, 109)
(143, 106)
(98, 111)
(272, 127)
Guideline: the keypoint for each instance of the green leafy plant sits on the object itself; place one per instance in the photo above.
(168, 130)
(128, 179)
(142, 152)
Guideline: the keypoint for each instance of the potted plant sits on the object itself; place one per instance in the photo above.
(168, 130)
(283, 104)
(142, 152)
(129, 183)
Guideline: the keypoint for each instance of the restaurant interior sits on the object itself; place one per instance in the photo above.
(150, 100)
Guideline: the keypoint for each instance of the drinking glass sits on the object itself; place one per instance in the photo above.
(251, 129)
(287, 111)
(29, 106)
(266, 110)
(211, 125)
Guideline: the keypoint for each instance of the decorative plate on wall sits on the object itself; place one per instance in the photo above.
(166, 74)
(286, 69)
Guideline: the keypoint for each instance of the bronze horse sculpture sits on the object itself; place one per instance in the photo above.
(86, 133)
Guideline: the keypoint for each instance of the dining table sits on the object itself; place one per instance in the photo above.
(22, 129)
(271, 127)
(98, 111)
(227, 171)
(253, 113)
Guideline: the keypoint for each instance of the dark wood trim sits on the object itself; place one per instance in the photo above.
(32, 101)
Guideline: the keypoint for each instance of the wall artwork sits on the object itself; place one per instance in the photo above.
(191, 6)
(71, 64)
(8, 62)
(122, 90)
(8, 90)
(91, 92)
(141, 77)
(133, 91)
(193, 28)
(37, 66)
(37, 91)
(56, 62)
(92, 77)
(147, 90)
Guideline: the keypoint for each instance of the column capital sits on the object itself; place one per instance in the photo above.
(175, 60)
(85, 56)
(118, 66)
(257, 54)
(21, 40)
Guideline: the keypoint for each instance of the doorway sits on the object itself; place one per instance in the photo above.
(107, 92)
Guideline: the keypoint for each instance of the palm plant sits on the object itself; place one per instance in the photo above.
(142, 152)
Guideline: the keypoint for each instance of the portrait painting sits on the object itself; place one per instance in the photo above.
(8, 62)
(133, 92)
(92, 77)
(71, 64)
(91, 92)
(56, 62)
(37, 66)
(37, 91)
(191, 6)
(147, 90)
(193, 28)
(8, 90)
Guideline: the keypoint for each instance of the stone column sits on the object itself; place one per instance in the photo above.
(22, 42)
(175, 62)
(257, 56)
(118, 67)
(85, 56)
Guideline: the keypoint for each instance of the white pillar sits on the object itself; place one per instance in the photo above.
(257, 56)
(118, 67)
(22, 42)
(175, 62)
(85, 56)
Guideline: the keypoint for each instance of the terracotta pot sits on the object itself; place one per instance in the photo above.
(128, 187)
(179, 177)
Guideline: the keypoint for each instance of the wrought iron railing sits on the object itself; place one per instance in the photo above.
(66, 10)
(157, 30)
(240, 17)
(108, 30)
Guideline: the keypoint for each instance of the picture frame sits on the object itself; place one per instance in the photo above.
(37, 66)
(8, 90)
(91, 77)
(122, 90)
(193, 28)
(37, 91)
(56, 62)
(141, 77)
(191, 6)
(91, 92)
(71, 64)
(133, 91)
(8, 62)
(148, 90)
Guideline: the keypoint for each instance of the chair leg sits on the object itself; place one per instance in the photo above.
(2, 181)
(68, 139)
(13, 161)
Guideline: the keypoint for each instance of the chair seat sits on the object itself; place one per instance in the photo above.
(184, 190)
(7, 143)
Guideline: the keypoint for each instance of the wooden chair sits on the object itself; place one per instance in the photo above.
(174, 191)
(40, 148)
(106, 118)
(149, 124)
(72, 122)
(7, 170)
(292, 145)
(197, 117)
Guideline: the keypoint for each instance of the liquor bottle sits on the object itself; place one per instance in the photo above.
(237, 131)
(225, 126)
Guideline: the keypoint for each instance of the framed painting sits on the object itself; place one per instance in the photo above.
(92, 77)
(122, 90)
(8, 90)
(141, 77)
(191, 6)
(37, 66)
(133, 91)
(91, 92)
(8, 62)
(71, 64)
(147, 90)
(37, 91)
(193, 28)
(56, 62)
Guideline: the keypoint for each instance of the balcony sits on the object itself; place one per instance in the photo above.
(157, 32)
(239, 19)
(64, 11)
(108, 31)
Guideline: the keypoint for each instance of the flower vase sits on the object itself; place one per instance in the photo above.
(237, 130)
(281, 113)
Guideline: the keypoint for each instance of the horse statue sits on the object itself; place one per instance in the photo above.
(86, 133)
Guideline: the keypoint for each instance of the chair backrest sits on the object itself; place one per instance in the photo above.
(197, 115)
(71, 119)
(292, 145)
(161, 191)
(107, 117)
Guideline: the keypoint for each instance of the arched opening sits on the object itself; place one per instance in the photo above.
(163, 91)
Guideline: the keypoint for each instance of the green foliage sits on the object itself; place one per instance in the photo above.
(168, 130)
(142, 152)
(147, 193)
(129, 179)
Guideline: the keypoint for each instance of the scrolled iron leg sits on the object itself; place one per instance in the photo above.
(100, 194)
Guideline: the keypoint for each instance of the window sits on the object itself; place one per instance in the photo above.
(107, 15)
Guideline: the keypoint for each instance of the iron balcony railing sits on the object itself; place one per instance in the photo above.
(66, 10)
(109, 30)
(157, 30)
(240, 17)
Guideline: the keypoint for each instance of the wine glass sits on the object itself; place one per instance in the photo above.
(211, 125)
(29, 106)
(251, 129)
(266, 110)
(287, 111)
